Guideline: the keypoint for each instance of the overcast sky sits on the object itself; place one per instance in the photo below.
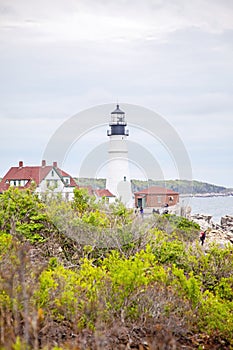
(175, 57)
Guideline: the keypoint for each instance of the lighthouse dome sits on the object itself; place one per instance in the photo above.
(117, 110)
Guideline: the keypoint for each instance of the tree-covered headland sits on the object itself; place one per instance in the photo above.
(181, 186)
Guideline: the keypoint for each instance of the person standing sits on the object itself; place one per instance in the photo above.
(202, 237)
(141, 211)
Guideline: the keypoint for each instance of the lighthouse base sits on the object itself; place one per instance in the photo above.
(118, 181)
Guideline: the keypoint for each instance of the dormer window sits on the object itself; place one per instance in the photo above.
(67, 180)
(52, 173)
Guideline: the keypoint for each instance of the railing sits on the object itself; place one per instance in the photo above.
(109, 133)
(117, 123)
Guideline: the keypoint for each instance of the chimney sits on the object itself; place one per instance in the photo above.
(20, 164)
(43, 163)
(55, 164)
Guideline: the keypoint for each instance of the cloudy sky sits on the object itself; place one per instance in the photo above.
(174, 57)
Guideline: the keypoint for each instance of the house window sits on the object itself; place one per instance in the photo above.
(159, 199)
(52, 173)
(67, 180)
(15, 183)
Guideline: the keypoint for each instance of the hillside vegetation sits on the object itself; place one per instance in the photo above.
(94, 183)
(180, 186)
(85, 275)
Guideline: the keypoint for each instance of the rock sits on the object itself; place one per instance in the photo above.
(219, 237)
(227, 223)
(206, 218)
(203, 220)
(222, 233)
(227, 219)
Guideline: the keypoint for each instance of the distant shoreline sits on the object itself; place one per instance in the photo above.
(205, 195)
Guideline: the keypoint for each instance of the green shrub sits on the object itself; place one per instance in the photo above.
(5, 243)
(185, 229)
(97, 219)
(22, 212)
(216, 316)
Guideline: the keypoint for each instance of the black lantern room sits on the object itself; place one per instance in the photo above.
(118, 123)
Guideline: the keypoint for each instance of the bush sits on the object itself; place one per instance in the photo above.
(140, 278)
(22, 212)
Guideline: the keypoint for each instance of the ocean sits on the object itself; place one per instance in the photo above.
(215, 206)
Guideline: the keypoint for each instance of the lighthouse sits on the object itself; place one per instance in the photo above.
(118, 179)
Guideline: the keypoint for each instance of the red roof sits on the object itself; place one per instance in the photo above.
(64, 174)
(31, 173)
(103, 193)
(156, 190)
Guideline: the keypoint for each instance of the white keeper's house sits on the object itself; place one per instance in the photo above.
(49, 179)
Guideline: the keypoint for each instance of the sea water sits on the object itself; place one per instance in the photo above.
(215, 206)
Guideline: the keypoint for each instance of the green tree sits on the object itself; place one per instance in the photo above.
(83, 201)
(96, 218)
(120, 215)
(22, 212)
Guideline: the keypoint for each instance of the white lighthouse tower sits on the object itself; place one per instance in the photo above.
(118, 179)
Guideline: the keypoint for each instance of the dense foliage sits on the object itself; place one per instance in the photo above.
(101, 278)
(22, 213)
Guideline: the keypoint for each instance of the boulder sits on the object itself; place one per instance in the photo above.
(227, 221)
(219, 236)
(204, 221)
(206, 218)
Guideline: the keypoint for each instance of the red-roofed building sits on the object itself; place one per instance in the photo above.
(47, 178)
(156, 197)
(104, 193)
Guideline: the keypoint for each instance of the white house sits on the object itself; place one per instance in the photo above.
(49, 179)
(106, 194)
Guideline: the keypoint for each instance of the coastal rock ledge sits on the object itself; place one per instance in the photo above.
(221, 234)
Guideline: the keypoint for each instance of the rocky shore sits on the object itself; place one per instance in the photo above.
(222, 233)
